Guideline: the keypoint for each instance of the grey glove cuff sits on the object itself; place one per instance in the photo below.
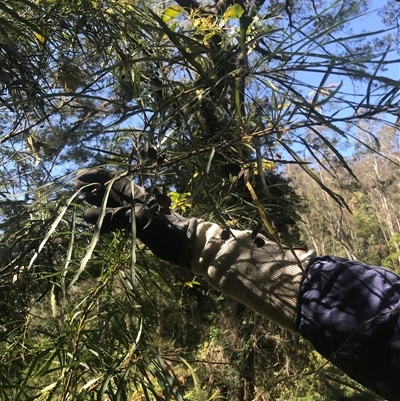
(256, 273)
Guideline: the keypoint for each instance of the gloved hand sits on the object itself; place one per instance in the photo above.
(166, 233)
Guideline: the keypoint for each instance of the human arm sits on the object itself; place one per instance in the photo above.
(254, 271)
(347, 310)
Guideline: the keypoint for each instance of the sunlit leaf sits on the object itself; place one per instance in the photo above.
(180, 200)
(40, 37)
(233, 12)
(171, 13)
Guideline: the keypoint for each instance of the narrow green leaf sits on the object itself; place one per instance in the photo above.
(210, 160)
(196, 382)
(336, 197)
(53, 227)
(96, 233)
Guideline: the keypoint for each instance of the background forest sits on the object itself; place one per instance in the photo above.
(274, 114)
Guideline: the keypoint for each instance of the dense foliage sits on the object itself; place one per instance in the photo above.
(222, 106)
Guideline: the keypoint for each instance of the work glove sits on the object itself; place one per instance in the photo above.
(167, 234)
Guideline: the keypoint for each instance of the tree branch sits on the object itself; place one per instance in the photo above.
(189, 4)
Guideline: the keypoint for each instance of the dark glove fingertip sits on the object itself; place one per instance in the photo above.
(96, 175)
(91, 215)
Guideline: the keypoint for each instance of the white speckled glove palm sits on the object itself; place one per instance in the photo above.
(253, 271)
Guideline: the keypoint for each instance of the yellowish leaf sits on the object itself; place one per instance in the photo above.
(268, 165)
(171, 13)
(53, 301)
(263, 216)
(180, 200)
(282, 106)
(233, 12)
(40, 37)
(208, 36)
